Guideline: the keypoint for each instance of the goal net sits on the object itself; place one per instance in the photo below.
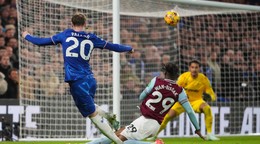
(225, 40)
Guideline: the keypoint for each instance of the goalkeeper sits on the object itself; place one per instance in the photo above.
(198, 89)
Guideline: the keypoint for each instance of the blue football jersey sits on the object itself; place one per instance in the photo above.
(77, 48)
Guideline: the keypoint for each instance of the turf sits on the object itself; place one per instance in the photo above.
(193, 140)
(223, 140)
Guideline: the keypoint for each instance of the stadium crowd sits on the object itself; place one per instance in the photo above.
(9, 53)
(228, 50)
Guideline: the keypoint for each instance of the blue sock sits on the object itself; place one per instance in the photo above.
(136, 142)
(102, 140)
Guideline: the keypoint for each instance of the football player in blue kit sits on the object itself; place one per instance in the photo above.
(77, 46)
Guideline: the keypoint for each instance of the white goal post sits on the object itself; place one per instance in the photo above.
(227, 34)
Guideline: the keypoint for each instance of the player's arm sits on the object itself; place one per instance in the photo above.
(209, 93)
(37, 40)
(118, 47)
(183, 100)
(148, 89)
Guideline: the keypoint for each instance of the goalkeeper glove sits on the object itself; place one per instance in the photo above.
(206, 97)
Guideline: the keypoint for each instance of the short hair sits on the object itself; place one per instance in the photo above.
(195, 61)
(11, 70)
(171, 69)
(78, 19)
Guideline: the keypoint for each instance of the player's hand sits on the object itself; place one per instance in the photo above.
(199, 134)
(25, 33)
(207, 97)
(132, 51)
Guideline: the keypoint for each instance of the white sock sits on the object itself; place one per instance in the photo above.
(105, 129)
(101, 112)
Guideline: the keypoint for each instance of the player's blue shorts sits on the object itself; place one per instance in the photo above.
(83, 92)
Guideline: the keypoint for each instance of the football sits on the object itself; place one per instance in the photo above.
(172, 18)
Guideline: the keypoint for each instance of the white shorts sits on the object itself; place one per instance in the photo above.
(141, 128)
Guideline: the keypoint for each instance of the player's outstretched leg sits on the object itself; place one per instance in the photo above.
(105, 128)
(136, 142)
(152, 138)
(158, 141)
(111, 118)
(105, 140)
(102, 140)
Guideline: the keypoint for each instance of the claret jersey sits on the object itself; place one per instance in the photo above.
(160, 98)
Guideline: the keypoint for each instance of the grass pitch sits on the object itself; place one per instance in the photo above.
(193, 140)
(223, 140)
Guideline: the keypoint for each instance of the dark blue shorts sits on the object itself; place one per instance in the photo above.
(83, 92)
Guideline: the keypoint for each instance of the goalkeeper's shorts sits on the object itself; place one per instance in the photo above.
(194, 104)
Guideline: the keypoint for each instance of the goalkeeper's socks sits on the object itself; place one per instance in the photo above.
(105, 129)
(135, 142)
(208, 118)
(102, 140)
